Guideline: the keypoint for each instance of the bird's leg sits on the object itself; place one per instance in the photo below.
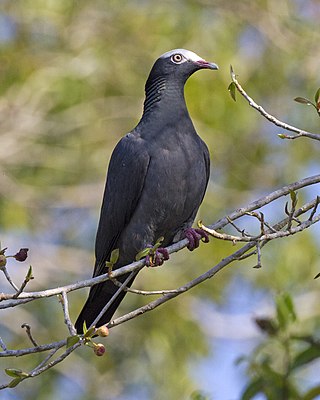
(194, 235)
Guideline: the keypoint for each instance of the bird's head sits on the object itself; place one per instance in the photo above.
(179, 64)
(168, 76)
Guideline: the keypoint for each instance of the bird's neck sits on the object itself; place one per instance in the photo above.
(164, 97)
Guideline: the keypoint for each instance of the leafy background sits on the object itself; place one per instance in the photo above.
(72, 74)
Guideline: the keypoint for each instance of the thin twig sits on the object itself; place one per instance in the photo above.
(314, 210)
(44, 365)
(291, 213)
(258, 251)
(27, 278)
(44, 362)
(23, 285)
(262, 237)
(28, 332)
(8, 277)
(271, 118)
(241, 231)
(113, 298)
(284, 191)
(3, 345)
(263, 223)
(69, 350)
(65, 307)
(32, 350)
(14, 303)
(281, 224)
(224, 236)
(143, 292)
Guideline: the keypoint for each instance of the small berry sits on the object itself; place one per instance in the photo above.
(21, 255)
(99, 349)
(103, 331)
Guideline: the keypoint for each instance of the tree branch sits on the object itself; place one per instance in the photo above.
(267, 233)
(65, 306)
(29, 334)
(236, 256)
(271, 118)
(137, 265)
(32, 350)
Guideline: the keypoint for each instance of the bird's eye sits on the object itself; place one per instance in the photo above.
(177, 58)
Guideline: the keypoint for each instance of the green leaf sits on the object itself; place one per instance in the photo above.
(150, 250)
(270, 375)
(72, 340)
(158, 242)
(285, 310)
(241, 359)
(288, 299)
(84, 327)
(312, 394)
(90, 332)
(109, 265)
(317, 96)
(293, 196)
(17, 374)
(14, 373)
(232, 90)
(282, 136)
(252, 389)
(305, 339)
(29, 274)
(232, 72)
(303, 100)
(114, 256)
(143, 253)
(15, 382)
(281, 315)
(306, 357)
(197, 395)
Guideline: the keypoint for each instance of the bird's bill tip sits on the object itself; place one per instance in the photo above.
(207, 65)
(213, 66)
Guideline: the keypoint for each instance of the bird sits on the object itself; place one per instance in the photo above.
(156, 180)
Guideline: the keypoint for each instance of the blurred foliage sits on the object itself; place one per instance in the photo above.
(71, 83)
(274, 363)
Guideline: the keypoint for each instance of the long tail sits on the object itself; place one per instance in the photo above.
(99, 296)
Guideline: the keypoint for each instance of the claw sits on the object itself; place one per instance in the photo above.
(194, 235)
(164, 252)
(157, 257)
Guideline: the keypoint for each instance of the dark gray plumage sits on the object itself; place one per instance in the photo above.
(156, 180)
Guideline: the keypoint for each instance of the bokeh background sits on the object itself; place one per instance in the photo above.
(72, 75)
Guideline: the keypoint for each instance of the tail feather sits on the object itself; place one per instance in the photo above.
(99, 296)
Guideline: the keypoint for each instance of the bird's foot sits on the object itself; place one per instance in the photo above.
(157, 257)
(194, 235)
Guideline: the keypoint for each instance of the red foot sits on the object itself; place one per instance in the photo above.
(157, 258)
(194, 235)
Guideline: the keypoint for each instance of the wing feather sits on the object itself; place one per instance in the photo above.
(125, 180)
